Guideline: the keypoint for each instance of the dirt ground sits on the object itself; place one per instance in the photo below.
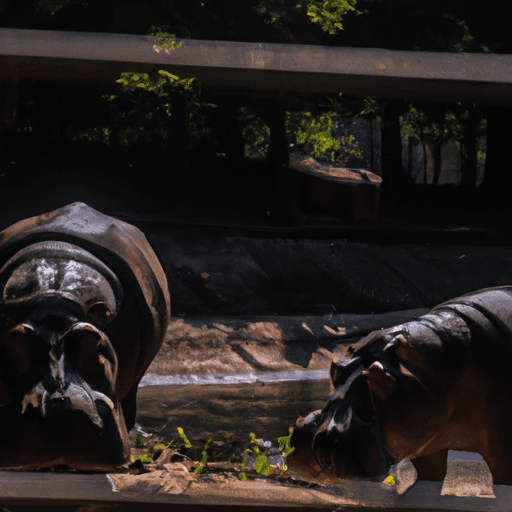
(231, 345)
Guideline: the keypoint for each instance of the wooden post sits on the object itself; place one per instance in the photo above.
(8, 100)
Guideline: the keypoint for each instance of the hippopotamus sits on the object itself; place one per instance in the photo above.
(415, 391)
(84, 307)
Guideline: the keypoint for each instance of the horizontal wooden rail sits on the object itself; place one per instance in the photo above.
(71, 491)
(263, 68)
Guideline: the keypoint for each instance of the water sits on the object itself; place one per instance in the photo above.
(238, 378)
(228, 413)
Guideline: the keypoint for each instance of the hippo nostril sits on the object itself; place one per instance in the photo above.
(99, 314)
(89, 354)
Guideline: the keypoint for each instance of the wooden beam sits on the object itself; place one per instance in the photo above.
(263, 67)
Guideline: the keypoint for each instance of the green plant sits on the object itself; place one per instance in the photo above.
(311, 134)
(143, 458)
(181, 433)
(329, 13)
(204, 458)
(137, 441)
(261, 462)
(283, 444)
(161, 39)
(163, 446)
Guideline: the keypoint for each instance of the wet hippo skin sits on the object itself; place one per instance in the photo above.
(84, 307)
(417, 390)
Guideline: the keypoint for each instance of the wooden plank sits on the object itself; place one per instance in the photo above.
(65, 491)
(263, 67)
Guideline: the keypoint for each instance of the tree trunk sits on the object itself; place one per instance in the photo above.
(410, 160)
(279, 148)
(178, 125)
(497, 181)
(438, 148)
(8, 99)
(229, 132)
(470, 166)
(392, 169)
(425, 163)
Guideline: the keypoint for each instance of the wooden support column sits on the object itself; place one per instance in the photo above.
(180, 137)
(8, 99)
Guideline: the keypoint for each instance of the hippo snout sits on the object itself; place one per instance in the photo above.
(336, 445)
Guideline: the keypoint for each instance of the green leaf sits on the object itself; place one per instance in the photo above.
(137, 441)
(167, 74)
(242, 476)
(389, 480)
(187, 443)
(204, 459)
(163, 446)
(283, 443)
(262, 464)
(144, 459)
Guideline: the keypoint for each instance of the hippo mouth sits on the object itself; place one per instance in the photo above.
(69, 437)
(63, 437)
(71, 415)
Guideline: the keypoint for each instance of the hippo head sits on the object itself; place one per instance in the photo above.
(58, 368)
(384, 408)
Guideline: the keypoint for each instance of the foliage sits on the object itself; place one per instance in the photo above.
(389, 480)
(309, 133)
(143, 458)
(433, 125)
(329, 13)
(313, 135)
(143, 106)
(187, 443)
(256, 133)
(96, 134)
(429, 123)
(164, 446)
(54, 6)
(283, 443)
(138, 441)
(261, 461)
(204, 457)
(464, 41)
(161, 39)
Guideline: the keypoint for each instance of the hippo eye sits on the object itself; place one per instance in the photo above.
(98, 314)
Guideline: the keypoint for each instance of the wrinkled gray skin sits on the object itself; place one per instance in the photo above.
(417, 390)
(83, 311)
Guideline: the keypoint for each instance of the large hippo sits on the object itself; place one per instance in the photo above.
(417, 390)
(84, 306)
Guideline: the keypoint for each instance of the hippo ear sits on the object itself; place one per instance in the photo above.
(310, 418)
(410, 356)
(380, 382)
